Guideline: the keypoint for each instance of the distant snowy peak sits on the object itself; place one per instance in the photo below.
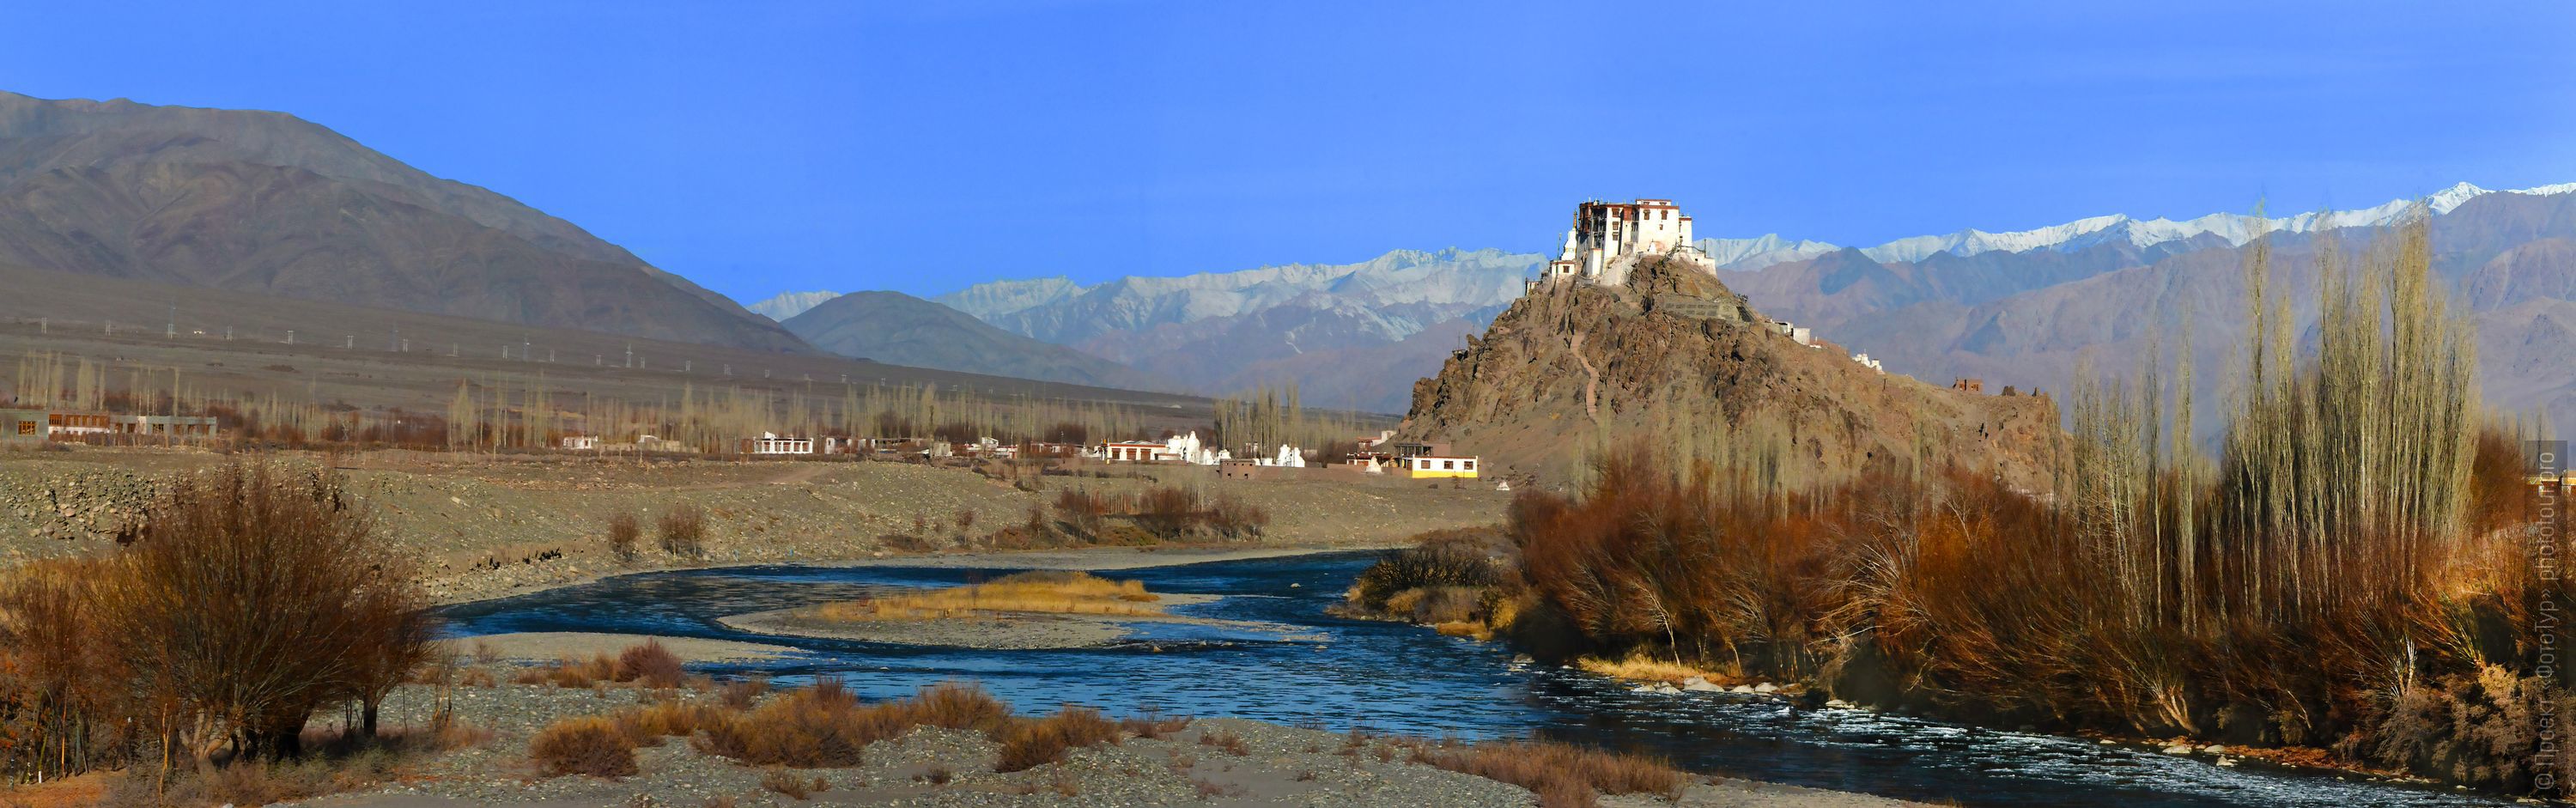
(2235, 229)
(1756, 253)
(790, 304)
(1749, 254)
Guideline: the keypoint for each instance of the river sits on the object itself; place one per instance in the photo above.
(1399, 678)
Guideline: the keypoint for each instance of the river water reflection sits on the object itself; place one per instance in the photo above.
(1399, 678)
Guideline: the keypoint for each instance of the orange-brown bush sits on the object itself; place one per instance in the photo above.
(1029, 744)
(647, 726)
(1563, 776)
(588, 745)
(649, 664)
(571, 672)
(825, 725)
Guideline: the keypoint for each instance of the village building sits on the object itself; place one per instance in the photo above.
(581, 443)
(1240, 469)
(185, 426)
(1439, 467)
(1968, 385)
(1796, 333)
(1177, 449)
(1131, 452)
(23, 426)
(771, 444)
(75, 424)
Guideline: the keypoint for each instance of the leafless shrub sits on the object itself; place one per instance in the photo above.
(623, 532)
(649, 664)
(683, 530)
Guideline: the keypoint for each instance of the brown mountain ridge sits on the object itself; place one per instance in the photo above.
(268, 203)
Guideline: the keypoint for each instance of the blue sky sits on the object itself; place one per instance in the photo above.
(923, 147)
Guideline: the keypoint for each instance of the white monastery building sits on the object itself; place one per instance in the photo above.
(1605, 232)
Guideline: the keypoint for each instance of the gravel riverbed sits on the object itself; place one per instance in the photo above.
(1272, 765)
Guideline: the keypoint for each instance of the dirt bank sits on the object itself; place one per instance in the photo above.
(486, 527)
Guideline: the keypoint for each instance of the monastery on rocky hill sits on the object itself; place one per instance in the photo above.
(1607, 237)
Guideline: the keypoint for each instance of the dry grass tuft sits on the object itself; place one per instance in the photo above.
(1222, 739)
(1637, 666)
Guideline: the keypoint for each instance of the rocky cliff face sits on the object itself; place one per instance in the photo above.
(1679, 361)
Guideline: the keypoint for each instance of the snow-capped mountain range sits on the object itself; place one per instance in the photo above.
(1756, 253)
(790, 304)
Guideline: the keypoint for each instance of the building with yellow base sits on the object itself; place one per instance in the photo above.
(1431, 467)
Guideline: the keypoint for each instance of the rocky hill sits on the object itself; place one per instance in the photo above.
(1679, 360)
(900, 329)
(269, 203)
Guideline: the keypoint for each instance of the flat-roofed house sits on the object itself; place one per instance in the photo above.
(1137, 452)
(24, 425)
(771, 444)
(1438, 467)
(184, 426)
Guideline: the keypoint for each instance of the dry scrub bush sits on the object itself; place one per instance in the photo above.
(648, 725)
(790, 785)
(1151, 724)
(624, 530)
(1563, 776)
(739, 694)
(683, 530)
(1162, 513)
(252, 597)
(1028, 744)
(825, 726)
(588, 745)
(649, 664)
(1446, 577)
(571, 672)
